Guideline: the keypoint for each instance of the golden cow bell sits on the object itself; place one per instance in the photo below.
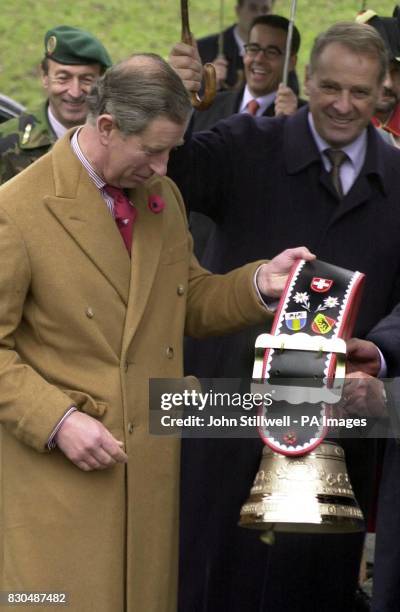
(310, 494)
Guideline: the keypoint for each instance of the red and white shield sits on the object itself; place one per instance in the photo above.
(320, 285)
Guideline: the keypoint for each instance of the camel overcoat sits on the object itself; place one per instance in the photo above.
(81, 323)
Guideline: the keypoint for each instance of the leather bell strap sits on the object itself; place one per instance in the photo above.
(300, 358)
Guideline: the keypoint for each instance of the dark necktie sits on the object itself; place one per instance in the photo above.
(252, 107)
(336, 157)
(124, 213)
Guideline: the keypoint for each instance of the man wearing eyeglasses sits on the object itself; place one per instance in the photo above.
(72, 62)
(263, 93)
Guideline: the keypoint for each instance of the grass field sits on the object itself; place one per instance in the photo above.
(127, 26)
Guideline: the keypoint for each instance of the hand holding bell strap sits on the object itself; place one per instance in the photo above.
(315, 315)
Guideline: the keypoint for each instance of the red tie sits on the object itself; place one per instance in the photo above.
(124, 213)
(252, 107)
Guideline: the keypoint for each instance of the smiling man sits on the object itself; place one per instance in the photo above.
(261, 94)
(73, 60)
(326, 177)
(343, 89)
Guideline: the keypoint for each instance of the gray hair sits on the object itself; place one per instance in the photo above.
(359, 38)
(138, 90)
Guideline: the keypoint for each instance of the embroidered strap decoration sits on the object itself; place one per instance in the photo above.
(302, 360)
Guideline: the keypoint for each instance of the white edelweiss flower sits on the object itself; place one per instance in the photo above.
(331, 302)
(301, 298)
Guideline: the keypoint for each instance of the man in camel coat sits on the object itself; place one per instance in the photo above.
(89, 500)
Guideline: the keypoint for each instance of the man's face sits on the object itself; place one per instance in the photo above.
(343, 91)
(390, 95)
(252, 9)
(67, 87)
(264, 71)
(131, 160)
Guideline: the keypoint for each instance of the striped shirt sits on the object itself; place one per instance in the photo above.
(97, 180)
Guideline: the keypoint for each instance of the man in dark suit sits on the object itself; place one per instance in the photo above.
(229, 66)
(262, 95)
(365, 356)
(262, 92)
(265, 181)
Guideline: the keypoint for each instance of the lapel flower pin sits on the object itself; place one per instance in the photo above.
(156, 204)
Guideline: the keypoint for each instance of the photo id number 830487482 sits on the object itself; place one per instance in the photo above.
(32, 598)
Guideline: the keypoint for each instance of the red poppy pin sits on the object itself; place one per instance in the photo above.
(156, 204)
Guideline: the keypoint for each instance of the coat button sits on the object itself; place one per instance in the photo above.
(169, 352)
(180, 290)
(131, 427)
(89, 312)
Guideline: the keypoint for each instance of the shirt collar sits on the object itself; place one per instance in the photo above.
(58, 128)
(263, 101)
(98, 181)
(355, 151)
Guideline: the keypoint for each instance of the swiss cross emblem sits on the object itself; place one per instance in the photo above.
(321, 284)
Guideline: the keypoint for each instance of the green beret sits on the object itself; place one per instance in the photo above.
(67, 45)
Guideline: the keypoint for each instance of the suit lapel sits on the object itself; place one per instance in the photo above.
(80, 209)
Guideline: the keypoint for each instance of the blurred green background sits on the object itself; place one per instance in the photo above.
(127, 26)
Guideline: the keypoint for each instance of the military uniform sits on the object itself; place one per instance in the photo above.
(26, 138)
(23, 140)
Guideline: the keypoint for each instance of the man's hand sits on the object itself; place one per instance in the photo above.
(185, 60)
(363, 396)
(285, 101)
(88, 444)
(363, 356)
(272, 276)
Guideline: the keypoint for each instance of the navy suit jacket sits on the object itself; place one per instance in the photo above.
(225, 104)
(263, 183)
(386, 335)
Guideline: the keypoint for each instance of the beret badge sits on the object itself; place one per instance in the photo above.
(51, 45)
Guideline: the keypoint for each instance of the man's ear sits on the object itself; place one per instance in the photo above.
(105, 125)
(44, 78)
(307, 77)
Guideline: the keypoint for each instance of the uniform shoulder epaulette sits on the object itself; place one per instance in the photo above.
(26, 124)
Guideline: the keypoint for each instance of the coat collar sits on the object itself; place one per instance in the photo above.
(79, 207)
(301, 150)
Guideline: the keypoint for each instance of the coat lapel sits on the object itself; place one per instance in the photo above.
(372, 178)
(81, 210)
(302, 152)
(146, 246)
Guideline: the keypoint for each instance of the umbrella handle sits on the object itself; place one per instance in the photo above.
(210, 79)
